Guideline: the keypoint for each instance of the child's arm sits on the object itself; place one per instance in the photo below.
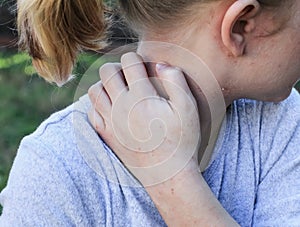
(162, 155)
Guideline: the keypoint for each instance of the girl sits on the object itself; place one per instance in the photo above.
(252, 48)
(64, 174)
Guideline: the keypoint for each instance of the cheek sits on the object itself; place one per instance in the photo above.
(293, 60)
(275, 65)
(272, 76)
(285, 58)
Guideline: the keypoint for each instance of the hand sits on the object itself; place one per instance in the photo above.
(121, 114)
(154, 137)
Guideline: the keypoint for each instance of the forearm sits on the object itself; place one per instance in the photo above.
(186, 200)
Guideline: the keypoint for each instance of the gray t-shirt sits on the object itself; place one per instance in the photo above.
(65, 175)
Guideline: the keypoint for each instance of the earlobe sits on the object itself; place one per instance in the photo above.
(238, 20)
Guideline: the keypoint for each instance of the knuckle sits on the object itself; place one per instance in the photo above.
(98, 126)
(127, 56)
(106, 70)
(95, 90)
(92, 91)
(131, 59)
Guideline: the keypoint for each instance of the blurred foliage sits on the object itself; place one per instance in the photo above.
(26, 100)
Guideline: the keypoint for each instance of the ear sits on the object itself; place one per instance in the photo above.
(239, 19)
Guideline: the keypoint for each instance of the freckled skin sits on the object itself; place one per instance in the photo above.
(258, 63)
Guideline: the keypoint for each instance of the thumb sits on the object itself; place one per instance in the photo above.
(175, 84)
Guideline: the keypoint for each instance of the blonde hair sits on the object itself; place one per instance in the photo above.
(54, 31)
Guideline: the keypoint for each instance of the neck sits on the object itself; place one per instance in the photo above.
(204, 86)
(204, 82)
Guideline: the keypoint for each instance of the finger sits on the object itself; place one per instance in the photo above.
(175, 84)
(136, 74)
(100, 99)
(96, 120)
(113, 80)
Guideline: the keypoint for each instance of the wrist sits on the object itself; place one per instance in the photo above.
(189, 177)
(188, 193)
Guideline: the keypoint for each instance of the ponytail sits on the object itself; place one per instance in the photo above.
(54, 31)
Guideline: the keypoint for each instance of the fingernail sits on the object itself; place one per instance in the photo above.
(160, 67)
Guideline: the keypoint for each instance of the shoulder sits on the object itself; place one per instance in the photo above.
(52, 148)
(260, 149)
(40, 184)
(264, 135)
(60, 126)
(275, 134)
(61, 172)
(59, 134)
(54, 141)
(67, 140)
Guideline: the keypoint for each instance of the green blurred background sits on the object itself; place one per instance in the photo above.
(25, 99)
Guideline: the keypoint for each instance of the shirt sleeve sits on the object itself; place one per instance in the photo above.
(40, 192)
(278, 192)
